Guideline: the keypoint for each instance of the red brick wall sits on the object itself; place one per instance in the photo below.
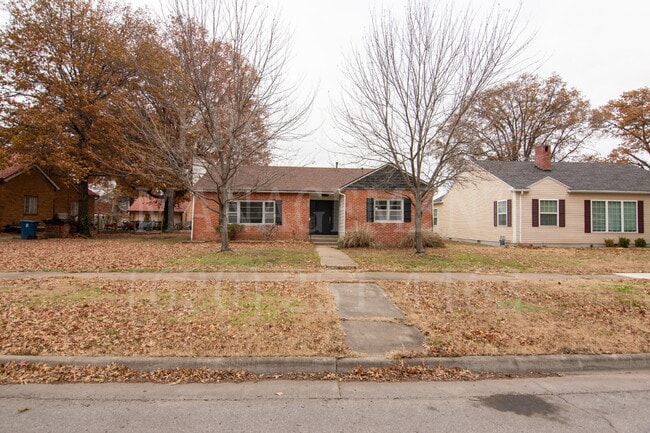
(385, 233)
(50, 202)
(295, 218)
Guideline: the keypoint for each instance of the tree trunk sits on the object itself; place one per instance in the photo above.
(419, 245)
(168, 213)
(223, 219)
(83, 218)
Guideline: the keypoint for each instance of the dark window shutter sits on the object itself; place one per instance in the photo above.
(562, 213)
(278, 212)
(407, 210)
(370, 210)
(587, 216)
(509, 212)
(535, 212)
(639, 220)
(494, 214)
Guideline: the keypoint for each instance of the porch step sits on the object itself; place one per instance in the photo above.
(331, 240)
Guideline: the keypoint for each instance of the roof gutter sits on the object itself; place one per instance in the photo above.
(579, 191)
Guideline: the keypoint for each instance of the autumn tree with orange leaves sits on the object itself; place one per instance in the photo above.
(66, 68)
(628, 119)
(509, 120)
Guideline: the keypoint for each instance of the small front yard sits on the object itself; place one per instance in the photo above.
(528, 317)
(63, 316)
(462, 257)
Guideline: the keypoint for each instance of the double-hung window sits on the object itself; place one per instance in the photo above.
(548, 213)
(389, 210)
(251, 212)
(502, 213)
(614, 216)
(30, 205)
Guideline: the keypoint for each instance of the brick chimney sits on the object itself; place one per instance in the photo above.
(543, 157)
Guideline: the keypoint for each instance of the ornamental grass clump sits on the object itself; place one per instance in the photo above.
(360, 237)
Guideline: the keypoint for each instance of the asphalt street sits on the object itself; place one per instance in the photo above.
(593, 402)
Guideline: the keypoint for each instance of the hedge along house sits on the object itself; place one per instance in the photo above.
(544, 203)
(300, 202)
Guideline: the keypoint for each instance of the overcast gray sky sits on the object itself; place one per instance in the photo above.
(600, 47)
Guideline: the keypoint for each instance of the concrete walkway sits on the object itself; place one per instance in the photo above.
(371, 322)
(333, 258)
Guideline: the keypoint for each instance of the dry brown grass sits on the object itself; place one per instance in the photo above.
(62, 316)
(525, 318)
(462, 257)
(152, 253)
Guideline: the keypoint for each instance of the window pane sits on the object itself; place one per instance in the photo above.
(502, 207)
(614, 216)
(503, 220)
(598, 216)
(250, 212)
(232, 212)
(629, 216)
(548, 206)
(269, 212)
(548, 219)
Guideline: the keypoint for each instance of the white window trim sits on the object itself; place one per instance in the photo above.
(264, 212)
(622, 202)
(505, 212)
(556, 213)
(388, 200)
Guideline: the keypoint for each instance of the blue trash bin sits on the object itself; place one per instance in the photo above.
(28, 229)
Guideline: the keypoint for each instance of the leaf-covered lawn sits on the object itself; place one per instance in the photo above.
(62, 316)
(146, 253)
(462, 257)
(525, 318)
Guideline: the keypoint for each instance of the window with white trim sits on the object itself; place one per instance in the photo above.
(548, 213)
(389, 210)
(502, 213)
(614, 216)
(30, 205)
(251, 212)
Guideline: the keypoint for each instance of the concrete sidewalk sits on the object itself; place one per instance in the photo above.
(333, 258)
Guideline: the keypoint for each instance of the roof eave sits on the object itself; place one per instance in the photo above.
(595, 191)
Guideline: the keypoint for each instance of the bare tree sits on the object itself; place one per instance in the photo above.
(412, 84)
(230, 59)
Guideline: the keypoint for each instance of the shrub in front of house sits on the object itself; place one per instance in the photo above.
(360, 237)
(233, 230)
(429, 240)
(609, 243)
(623, 242)
(640, 243)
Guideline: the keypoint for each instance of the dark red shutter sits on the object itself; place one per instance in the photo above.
(562, 213)
(509, 214)
(639, 220)
(535, 212)
(587, 216)
(494, 214)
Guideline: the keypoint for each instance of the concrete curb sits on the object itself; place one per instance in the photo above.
(285, 365)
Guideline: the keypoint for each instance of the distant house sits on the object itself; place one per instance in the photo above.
(150, 209)
(31, 193)
(302, 202)
(544, 203)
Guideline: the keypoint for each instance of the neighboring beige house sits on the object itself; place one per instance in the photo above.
(544, 203)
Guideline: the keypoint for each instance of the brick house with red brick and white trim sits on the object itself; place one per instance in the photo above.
(299, 202)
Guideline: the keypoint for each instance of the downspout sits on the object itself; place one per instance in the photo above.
(521, 215)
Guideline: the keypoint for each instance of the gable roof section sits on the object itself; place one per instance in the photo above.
(577, 176)
(288, 179)
(12, 171)
(385, 178)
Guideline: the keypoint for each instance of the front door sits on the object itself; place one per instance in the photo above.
(321, 217)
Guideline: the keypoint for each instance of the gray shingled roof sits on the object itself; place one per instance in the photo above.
(577, 176)
(290, 179)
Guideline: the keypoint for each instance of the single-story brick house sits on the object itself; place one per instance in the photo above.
(299, 202)
(544, 203)
(31, 193)
(146, 208)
